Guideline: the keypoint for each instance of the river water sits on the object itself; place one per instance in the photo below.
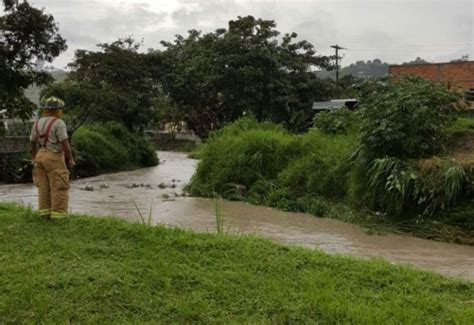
(157, 191)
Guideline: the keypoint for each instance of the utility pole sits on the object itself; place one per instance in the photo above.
(337, 48)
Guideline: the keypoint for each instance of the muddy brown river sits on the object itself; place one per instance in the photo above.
(158, 190)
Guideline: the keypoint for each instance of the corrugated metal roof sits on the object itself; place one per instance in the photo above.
(334, 104)
(327, 105)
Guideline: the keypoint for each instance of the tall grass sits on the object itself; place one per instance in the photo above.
(263, 164)
(322, 166)
(240, 155)
(219, 215)
(148, 220)
(392, 186)
(461, 125)
(454, 181)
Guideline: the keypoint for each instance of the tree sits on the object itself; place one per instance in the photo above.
(418, 60)
(361, 69)
(117, 82)
(28, 36)
(219, 76)
(463, 58)
(80, 98)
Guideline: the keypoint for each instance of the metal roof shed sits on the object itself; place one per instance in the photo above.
(349, 103)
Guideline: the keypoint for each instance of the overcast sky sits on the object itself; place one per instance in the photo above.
(394, 31)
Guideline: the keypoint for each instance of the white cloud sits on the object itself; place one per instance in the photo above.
(394, 31)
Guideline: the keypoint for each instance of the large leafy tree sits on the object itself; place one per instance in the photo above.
(216, 77)
(27, 36)
(116, 83)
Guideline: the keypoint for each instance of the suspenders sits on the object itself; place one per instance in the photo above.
(44, 136)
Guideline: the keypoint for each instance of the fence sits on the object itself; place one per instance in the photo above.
(11, 151)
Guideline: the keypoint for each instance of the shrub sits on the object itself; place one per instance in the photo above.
(402, 190)
(455, 180)
(263, 164)
(110, 147)
(323, 166)
(338, 121)
(392, 186)
(314, 205)
(100, 148)
(236, 157)
(404, 117)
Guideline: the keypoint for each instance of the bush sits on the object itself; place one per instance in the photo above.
(110, 147)
(404, 117)
(263, 164)
(236, 157)
(403, 190)
(338, 121)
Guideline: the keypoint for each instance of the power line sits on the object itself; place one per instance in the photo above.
(412, 46)
(408, 50)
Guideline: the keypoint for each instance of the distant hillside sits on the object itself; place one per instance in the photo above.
(361, 69)
(33, 92)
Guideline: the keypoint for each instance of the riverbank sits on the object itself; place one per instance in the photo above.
(98, 149)
(157, 190)
(84, 269)
(327, 175)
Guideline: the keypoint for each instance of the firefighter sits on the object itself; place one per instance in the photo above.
(52, 156)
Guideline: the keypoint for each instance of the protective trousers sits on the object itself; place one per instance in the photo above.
(51, 177)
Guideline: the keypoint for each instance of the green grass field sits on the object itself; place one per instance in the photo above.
(99, 270)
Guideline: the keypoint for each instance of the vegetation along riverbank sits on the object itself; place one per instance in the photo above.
(401, 162)
(84, 269)
(98, 148)
(110, 147)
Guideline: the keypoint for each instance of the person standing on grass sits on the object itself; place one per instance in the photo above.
(52, 156)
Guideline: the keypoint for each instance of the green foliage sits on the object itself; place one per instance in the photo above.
(28, 36)
(461, 125)
(314, 205)
(81, 100)
(216, 77)
(112, 271)
(404, 117)
(394, 187)
(337, 121)
(116, 83)
(454, 182)
(110, 147)
(17, 168)
(261, 163)
(391, 186)
(241, 154)
(322, 166)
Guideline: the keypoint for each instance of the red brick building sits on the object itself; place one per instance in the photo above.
(460, 74)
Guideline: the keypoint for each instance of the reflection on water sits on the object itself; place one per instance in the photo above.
(159, 189)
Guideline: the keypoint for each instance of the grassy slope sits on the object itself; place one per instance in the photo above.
(98, 270)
